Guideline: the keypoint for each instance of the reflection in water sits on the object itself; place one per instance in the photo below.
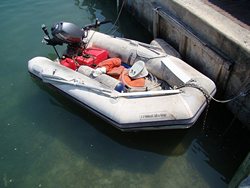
(98, 8)
(88, 6)
(127, 25)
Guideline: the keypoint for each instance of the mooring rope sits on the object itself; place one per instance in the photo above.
(118, 16)
(196, 86)
(209, 97)
(108, 32)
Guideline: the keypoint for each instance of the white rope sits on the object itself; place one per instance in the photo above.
(209, 96)
(118, 16)
(241, 94)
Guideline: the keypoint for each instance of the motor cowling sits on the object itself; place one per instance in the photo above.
(65, 32)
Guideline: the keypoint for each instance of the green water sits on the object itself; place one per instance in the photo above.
(48, 141)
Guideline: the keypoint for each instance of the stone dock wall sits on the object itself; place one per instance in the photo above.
(207, 40)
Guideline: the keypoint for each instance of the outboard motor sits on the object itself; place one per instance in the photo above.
(70, 34)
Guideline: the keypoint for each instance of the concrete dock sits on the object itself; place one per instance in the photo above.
(212, 36)
(237, 11)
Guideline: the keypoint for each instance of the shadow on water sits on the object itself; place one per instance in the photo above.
(127, 147)
(226, 142)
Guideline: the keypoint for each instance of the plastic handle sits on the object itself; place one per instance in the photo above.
(44, 28)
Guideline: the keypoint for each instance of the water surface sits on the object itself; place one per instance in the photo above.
(48, 141)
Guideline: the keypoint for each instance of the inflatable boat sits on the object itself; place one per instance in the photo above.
(132, 85)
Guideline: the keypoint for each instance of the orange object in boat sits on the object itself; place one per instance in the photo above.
(116, 72)
(110, 63)
(139, 82)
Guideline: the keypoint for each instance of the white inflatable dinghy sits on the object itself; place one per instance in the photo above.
(132, 85)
